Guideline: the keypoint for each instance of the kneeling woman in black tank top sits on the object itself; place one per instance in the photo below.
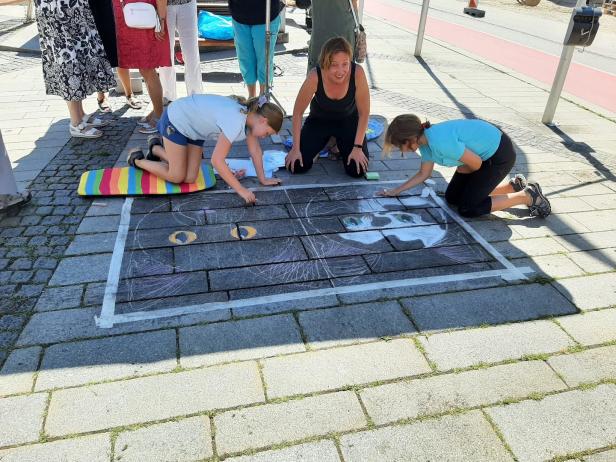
(337, 91)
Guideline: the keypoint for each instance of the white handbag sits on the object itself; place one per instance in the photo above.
(140, 15)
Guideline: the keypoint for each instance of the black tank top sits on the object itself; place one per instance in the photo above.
(323, 107)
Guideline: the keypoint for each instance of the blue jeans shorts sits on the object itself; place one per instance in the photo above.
(168, 130)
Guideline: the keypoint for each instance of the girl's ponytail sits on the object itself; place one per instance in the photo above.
(259, 105)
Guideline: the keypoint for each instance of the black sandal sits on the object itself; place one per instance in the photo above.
(103, 104)
(540, 206)
(518, 182)
(133, 155)
(153, 140)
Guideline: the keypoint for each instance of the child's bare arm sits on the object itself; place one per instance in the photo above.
(422, 175)
(256, 154)
(223, 146)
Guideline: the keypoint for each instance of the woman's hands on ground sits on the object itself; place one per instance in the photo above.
(361, 161)
(388, 193)
(293, 156)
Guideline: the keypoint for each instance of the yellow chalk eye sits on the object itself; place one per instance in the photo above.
(182, 237)
(246, 232)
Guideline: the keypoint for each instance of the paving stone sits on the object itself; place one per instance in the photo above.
(454, 438)
(77, 270)
(245, 253)
(591, 328)
(596, 220)
(262, 426)
(239, 340)
(45, 263)
(149, 262)
(21, 264)
(303, 303)
(67, 325)
(92, 448)
(21, 276)
(582, 291)
(587, 366)
(320, 451)
(92, 243)
(155, 287)
(562, 424)
(587, 241)
(494, 230)
(487, 306)
(17, 374)
(57, 298)
(150, 204)
(607, 456)
(468, 347)
(11, 322)
(595, 261)
(30, 290)
(152, 238)
(339, 367)
(440, 394)
(166, 220)
(266, 212)
(78, 363)
(184, 441)
(285, 273)
(353, 324)
(21, 418)
(99, 224)
(153, 398)
(294, 227)
(106, 206)
(553, 266)
(344, 244)
(207, 201)
(7, 338)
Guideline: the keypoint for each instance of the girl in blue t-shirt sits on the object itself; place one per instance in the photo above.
(483, 156)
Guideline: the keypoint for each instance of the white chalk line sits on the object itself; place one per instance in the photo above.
(115, 267)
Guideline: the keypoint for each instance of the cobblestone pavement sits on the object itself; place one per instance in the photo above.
(463, 370)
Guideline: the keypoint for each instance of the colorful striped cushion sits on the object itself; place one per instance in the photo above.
(130, 181)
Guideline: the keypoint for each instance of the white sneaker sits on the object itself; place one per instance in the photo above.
(93, 121)
(84, 131)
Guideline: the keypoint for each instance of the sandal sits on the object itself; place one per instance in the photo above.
(153, 140)
(93, 121)
(103, 104)
(133, 155)
(540, 206)
(8, 201)
(518, 182)
(133, 102)
(149, 129)
(84, 131)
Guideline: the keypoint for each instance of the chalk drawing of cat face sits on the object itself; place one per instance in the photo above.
(405, 226)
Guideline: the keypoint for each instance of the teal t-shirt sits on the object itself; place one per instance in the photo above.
(448, 140)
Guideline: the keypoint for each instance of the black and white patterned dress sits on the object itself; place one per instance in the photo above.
(74, 61)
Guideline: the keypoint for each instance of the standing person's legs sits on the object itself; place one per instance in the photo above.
(258, 40)
(189, 42)
(9, 195)
(124, 76)
(315, 134)
(344, 132)
(155, 90)
(167, 74)
(246, 55)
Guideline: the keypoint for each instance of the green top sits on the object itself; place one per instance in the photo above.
(330, 18)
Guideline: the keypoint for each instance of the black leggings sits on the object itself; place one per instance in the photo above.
(471, 191)
(316, 133)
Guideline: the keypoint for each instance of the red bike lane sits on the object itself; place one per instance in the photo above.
(584, 82)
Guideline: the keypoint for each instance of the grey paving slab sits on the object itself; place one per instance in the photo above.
(600, 202)
(606, 456)
(344, 366)
(147, 262)
(583, 294)
(262, 426)
(434, 395)
(529, 247)
(144, 205)
(320, 451)
(99, 224)
(453, 438)
(186, 440)
(91, 448)
(78, 363)
(553, 225)
(106, 206)
(487, 306)
(294, 227)
(354, 324)
(77, 270)
(587, 366)
(17, 373)
(21, 418)
(493, 230)
(300, 303)
(67, 325)
(285, 273)
(166, 220)
(595, 261)
(152, 238)
(84, 244)
(265, 212)
(591, 328)
(152, 398)
(561, 424)
(239, 340)
(154, 304)
(344, 244)
(588, 241)
(245, 253)
(418, 237)
(338, 207)
(596, 220)
(166, 285)
(468, 347)
(58, 298)
(553, 266)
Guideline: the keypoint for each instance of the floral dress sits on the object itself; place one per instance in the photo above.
(74, 60)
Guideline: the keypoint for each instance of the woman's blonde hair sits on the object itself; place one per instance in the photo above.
(331, 47)
(272, 112)
(402, 129)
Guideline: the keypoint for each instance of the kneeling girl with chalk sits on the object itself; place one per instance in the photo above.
(189, 121)
(484, 156)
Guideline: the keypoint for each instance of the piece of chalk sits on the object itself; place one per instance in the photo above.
(372, 176)
(99, 204)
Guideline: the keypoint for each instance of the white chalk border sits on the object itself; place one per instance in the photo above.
(108, 318)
